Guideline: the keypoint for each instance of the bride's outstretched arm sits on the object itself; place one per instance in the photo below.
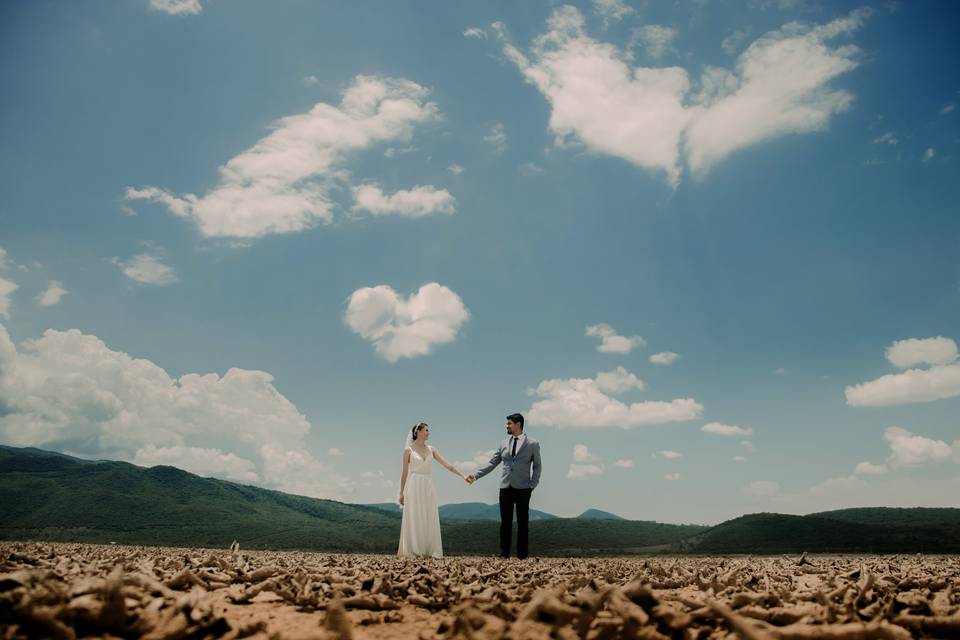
(453, 469)
(403, 474)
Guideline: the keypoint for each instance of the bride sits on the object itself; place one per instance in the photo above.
(420, 525)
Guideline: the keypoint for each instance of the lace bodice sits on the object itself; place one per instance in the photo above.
(419, 464)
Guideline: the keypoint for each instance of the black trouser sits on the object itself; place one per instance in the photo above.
(508, 498)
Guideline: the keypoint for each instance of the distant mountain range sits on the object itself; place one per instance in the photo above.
(54, 497)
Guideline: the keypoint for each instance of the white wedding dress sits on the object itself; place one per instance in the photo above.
(420, 526)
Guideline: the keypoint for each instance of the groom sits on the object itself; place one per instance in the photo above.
(518, 453)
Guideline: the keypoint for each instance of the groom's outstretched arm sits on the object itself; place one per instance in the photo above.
(535, 480)
(494, 461)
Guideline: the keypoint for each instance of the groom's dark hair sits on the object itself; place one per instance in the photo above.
(516, 418)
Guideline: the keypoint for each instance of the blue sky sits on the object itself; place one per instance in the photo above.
(259, 243)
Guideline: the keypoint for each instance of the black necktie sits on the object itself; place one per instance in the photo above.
(514, 454)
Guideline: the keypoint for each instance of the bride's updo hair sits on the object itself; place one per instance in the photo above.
(416, 429)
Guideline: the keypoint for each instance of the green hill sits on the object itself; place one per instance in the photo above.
(597, 514)
(466, 511)
(865, 530)
(46, 496)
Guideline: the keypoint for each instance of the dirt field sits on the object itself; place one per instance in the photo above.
(72, 590)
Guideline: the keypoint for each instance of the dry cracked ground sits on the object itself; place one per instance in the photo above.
(75, 590)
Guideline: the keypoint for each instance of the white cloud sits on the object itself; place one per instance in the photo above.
(655, 39)
(5, 261)
(762, 488)
(672, 476)
(664, 357)
(732, 43)
(832, 485)
(611, 342)
(618, 381)
(480, 459)
(611, 10)
(913, 385)
(624, 463)
(310, 81)
(947, 108)
(282, 183)
(475, 32)
(907, 353)
(202, 461)
(668, 455)
(582, 454)
(749, 446)
(649, 116)
(929, 154)
(53, 294)
(908, 450)
(68, 391)
(870, 469)
(531, 169)
(334, 452)
(887, 138)
(177, 7)
(391, 152)
(455, 169)
(497, 137)
(147, 269)
(583, 471)
(415, 203)
(7, 287)
(406, 327)
(726, 429)
(581, 402)
(739, 459)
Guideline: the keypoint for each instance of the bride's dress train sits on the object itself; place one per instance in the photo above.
(420, 525)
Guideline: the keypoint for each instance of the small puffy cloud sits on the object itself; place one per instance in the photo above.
(668, 455)
(531, 169)
(147, 269)
(748, 445)
(5, 261)
(334, 452)
(455, 169)
(618, 381)
(475, 32)
(624, 463)
(733, 42)
(940, 380)
(7, 287)
(611, 341)
(497, 138)
(887, 138)
(929, 154)
(739, 459)
(726, 429)
(909, 450)
(406, 327)
(310, 81)
(52, 295)
(68, 391)
(582, 402)
(583, 471)
(762, 488)
(655, 39)
(947, 108)
(665, 358)
(203, 461)
(870, 469)
(908, 353)
(611, 10)
(582, 454)
(833, 485)
(660, 119)
(177, 7)
(414, 203)
(672, 476)
(480, 459)
(283, 183)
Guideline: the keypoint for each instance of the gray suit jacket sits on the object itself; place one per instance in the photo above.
(516, 471)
